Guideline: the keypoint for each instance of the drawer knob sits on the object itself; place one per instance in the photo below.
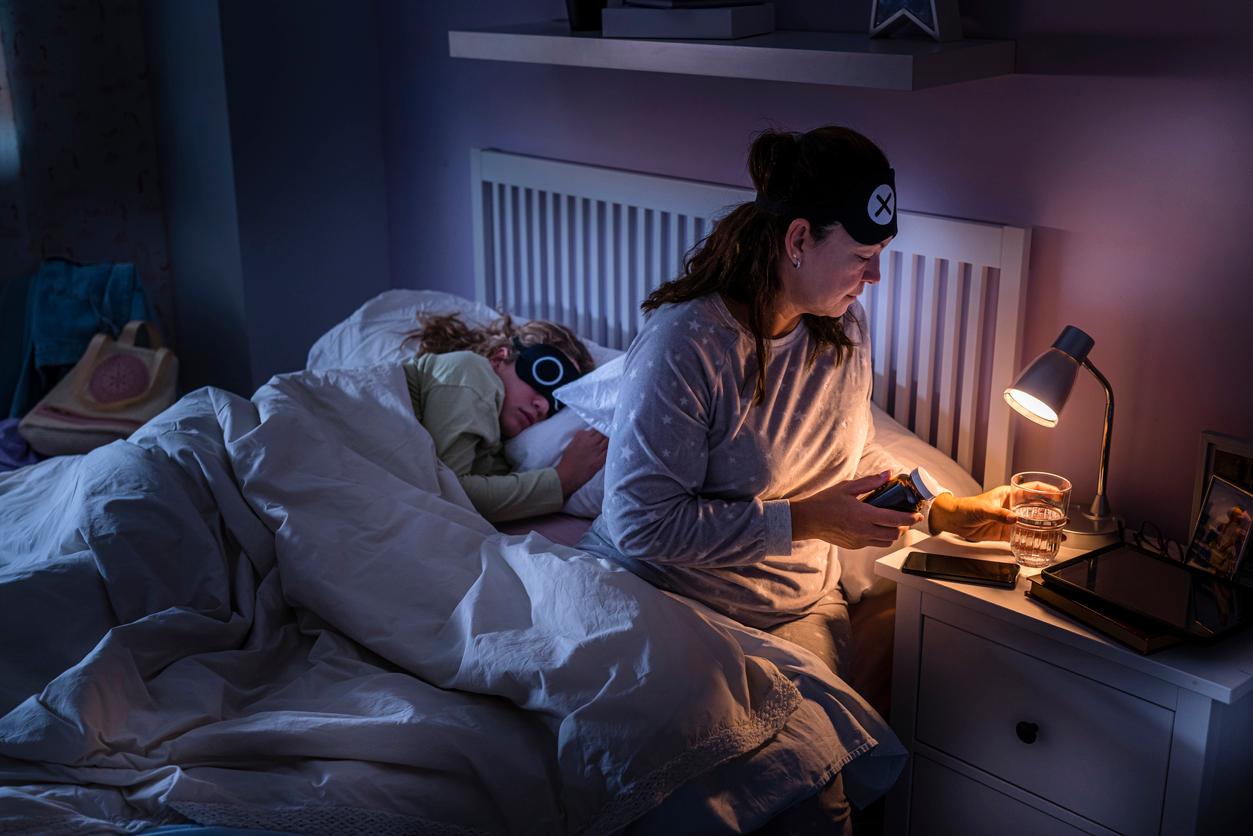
(1027, 732)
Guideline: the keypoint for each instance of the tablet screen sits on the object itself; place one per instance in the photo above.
(1190, 601)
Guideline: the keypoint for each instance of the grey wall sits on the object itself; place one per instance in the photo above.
(272, 125)
(1122, 143)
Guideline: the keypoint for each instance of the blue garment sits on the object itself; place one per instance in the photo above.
(67, 305)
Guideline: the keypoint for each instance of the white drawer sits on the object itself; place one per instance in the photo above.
(943, 803)
(1097, 751)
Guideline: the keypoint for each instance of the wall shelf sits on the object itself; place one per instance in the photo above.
(852, 60)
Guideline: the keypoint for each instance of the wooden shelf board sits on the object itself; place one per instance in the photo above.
(807, 57)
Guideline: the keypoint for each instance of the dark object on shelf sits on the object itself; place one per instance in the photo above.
(708, 23)
(1139, 635)
(584, 14)
(1174, 596)
(688, 4)
(938, 18)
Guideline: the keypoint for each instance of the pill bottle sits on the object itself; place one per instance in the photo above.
(905, 492)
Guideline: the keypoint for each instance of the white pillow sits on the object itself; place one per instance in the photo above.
(594, 396)
(372, 335)
(541, 445)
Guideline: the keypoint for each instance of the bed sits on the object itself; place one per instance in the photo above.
(282, 612)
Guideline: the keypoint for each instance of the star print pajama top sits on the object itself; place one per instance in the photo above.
(697, 478)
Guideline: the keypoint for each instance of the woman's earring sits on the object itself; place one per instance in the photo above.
(796, 262)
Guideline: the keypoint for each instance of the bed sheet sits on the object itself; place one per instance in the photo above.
(284, 613)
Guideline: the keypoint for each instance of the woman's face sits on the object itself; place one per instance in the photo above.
(833, 271)
(523, 406)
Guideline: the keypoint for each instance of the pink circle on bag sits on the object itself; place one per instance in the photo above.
(118, 378)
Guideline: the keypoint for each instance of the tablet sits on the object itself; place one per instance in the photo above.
(1190, 602)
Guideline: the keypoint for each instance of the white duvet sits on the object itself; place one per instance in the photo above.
(284, 613)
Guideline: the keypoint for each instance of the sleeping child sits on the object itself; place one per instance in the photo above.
(474, 387)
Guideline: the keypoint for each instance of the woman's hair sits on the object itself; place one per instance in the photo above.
(441, 333)
(740, 257)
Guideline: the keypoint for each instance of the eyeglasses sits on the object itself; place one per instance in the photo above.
(1149, 536)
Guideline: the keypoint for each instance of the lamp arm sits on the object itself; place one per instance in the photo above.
(1100, 505)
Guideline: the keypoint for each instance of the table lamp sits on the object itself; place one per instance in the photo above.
(1040, 393)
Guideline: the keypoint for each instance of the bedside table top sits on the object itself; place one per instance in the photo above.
(1222, 671)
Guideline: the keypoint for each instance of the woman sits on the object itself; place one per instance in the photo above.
(473, 387)
(743, 438)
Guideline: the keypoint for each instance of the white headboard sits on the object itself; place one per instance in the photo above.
(584, 246)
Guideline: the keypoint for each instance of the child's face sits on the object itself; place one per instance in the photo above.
(523, 406)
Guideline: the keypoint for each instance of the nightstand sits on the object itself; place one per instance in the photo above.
(1021, 721)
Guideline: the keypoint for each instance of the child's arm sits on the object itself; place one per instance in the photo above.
(512, 496)
(466, 427)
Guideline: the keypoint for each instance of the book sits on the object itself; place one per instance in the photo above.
(1139, 635)
(707, 23)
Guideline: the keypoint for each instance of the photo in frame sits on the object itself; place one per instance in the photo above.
(1220, 538)
(1222, 455)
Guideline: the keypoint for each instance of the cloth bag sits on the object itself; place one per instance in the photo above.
(113, 390)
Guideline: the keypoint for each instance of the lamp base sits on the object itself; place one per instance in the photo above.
(1084, 531)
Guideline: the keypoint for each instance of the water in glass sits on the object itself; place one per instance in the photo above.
(1037, 534)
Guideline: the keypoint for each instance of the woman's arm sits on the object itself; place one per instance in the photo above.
(983, 517)
(658, 454)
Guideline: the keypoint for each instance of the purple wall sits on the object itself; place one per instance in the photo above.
(306, 119)
(88, 186)
(1123, 143)
(271, 118)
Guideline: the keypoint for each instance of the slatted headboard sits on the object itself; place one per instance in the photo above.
(584, 246)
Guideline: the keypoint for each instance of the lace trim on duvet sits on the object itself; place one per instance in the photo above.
(719, 745)
(78, 824)
(315, 820)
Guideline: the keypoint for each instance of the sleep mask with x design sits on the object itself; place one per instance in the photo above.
(865, 205)
(545, 369)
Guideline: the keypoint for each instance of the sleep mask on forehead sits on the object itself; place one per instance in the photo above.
(865, 206)
(545, 369)
(868, 210)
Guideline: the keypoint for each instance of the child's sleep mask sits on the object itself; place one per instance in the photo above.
(545, 369)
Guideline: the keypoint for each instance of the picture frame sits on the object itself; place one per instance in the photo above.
(1223, 530)
(1226, 456)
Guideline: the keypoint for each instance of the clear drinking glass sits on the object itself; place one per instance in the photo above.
(1039, 500)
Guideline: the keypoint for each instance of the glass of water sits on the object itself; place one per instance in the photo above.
(1039, 500)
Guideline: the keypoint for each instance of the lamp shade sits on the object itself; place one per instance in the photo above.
(1043, 388)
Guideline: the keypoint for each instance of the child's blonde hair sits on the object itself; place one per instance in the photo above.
(440, 333)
